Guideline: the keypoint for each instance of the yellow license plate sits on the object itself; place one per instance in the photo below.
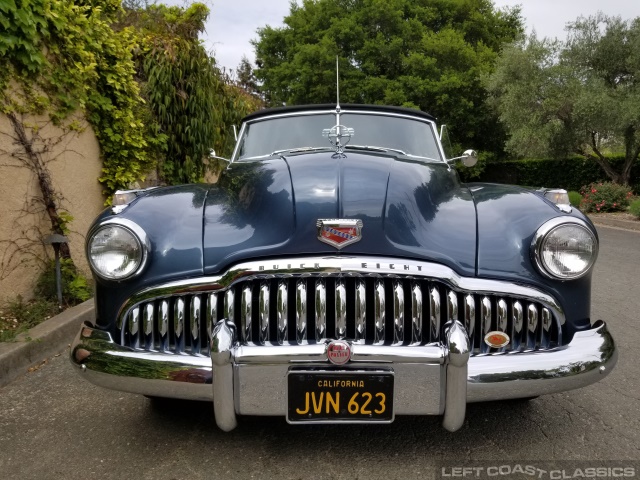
(340, 396)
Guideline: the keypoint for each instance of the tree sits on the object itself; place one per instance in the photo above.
(580, 97)
(426, 54)
(246, 78)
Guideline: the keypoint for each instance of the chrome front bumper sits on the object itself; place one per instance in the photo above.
(429, 380)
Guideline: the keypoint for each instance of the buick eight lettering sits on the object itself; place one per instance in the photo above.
(340, 272)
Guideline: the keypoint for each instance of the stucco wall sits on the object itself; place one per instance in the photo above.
(73, 161)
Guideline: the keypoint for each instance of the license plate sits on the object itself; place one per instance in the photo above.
(340, 396)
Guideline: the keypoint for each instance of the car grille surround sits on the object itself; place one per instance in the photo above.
(312, 304)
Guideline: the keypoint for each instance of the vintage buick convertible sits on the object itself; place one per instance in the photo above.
(339, 271)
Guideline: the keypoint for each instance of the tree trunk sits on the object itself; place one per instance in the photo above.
(37, 165)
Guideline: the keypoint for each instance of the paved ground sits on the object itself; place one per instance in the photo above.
(53, 425)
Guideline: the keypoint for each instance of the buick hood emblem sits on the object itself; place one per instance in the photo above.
(338, 352)
(339, 232)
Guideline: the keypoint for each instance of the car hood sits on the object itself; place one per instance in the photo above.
(270, 208)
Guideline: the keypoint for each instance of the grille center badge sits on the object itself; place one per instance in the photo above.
(339, 232)
(339, 352)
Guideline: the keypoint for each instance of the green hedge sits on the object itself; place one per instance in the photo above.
(570, 173)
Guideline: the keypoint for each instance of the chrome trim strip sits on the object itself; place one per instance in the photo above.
(246, 314)
(321, 310)
(380, 314)
(361, 312)
(398, 313)
(434, 315)
(301, 311)
(195, 319)
(282, 313)
(341, 309)
(416, 314)
(264, 313)
(344, 265)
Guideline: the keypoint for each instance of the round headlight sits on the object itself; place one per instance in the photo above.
(115, 252)
(565, 250)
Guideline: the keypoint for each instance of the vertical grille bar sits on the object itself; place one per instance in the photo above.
(516, 326)
(416, 314)
(148, 315)
(545, 336)
(212, 313)
(163, 326)
(134, 328)
(178, 324)
(245, 314)
(263, 302)
(195, 316)
(229, 304)
(301, 311)
(361, 312)
(452, 306)
(485, 314)
(341, 309)
(398, 313)
(434, 315)
(502, 319)
(321, 310)
(379, 302)
(532, 326)
(282, 313)
(470, 317)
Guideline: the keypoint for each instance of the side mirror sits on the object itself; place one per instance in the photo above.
(469, 158)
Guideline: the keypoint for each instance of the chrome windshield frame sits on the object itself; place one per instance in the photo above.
(431, 124)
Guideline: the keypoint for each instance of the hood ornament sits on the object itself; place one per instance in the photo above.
(338, 132)
(339, 232)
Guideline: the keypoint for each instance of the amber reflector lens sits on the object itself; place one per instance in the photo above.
(496, 339)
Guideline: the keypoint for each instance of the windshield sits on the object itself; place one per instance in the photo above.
(406, 136)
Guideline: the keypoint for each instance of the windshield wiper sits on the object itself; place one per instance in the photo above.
(375, 149)
(387, 149)
(298, 150)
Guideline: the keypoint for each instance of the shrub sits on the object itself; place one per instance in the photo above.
(17, 316)
(605, 197)
(634, 208)
(75, 287)
(575, 198)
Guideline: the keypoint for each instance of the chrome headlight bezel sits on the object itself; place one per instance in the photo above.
(138, 234)
(543, 233)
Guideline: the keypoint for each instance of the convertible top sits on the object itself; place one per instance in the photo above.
(331, 106)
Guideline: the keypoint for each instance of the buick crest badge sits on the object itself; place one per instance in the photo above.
(338, 352)
(339, 232)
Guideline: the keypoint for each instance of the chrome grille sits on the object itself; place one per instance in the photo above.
(372, 309)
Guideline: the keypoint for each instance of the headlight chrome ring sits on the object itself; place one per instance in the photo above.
(117, 249)
(564, 248)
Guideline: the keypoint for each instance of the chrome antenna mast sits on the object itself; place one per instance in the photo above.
(337, 85)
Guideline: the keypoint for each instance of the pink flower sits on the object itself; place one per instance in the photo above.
(593, 190)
